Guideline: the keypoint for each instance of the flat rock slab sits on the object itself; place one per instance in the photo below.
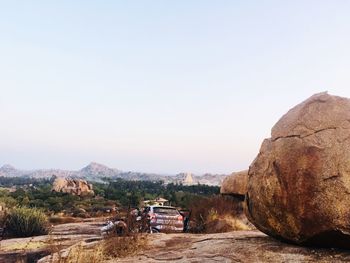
(30, 249)
(238, 246)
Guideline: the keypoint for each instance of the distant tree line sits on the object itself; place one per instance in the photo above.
(37, 193)
(21, 181)
(131, 193)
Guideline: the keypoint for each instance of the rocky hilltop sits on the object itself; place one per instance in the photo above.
(98, 170)
(72, 186)
(95, 172)
(9, 171)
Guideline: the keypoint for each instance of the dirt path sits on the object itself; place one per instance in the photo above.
(239, 246)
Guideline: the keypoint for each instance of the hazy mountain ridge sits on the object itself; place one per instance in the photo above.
(95, 172)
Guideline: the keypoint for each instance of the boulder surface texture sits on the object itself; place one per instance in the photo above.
(235, 184)
(72, 186)
(299, 184)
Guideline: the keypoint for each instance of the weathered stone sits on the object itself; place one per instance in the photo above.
(31, 249)
(235, 184)
(72, 186)
(299, 184)
(237, 246)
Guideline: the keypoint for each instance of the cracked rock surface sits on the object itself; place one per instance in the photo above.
(299, 184)
(237, 246)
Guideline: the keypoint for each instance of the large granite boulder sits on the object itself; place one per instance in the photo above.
(235, 184)
(72, 186)
(299, 184)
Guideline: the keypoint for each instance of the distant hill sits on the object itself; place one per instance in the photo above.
(9, 171)
(95, 172)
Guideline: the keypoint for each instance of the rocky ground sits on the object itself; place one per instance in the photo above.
(238, 246)
(61, 237)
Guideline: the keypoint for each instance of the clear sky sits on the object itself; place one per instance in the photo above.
(161, 86)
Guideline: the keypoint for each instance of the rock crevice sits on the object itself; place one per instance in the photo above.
(303, 136)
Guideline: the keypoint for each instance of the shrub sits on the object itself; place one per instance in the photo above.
(26, 222)
(206, 212)
(8, 201)
(3, 216)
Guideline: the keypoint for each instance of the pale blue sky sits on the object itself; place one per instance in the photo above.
(161, 86)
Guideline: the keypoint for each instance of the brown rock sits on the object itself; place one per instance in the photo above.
(237, 246)
(235, 184)
(72, 186)
(299, 184)
(59, 184)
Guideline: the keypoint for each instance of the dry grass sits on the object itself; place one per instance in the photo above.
(217, 214)
(238, 224)
(116, 247)
(80, 254)
(225, 223)
(109, 248)
(24, 246)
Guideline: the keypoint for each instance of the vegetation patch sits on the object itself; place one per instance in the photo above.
(216, 214)
(109, 248)
(26, 222)
(111, 196)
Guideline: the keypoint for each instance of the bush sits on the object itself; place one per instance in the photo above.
(208, 212)
(2, 218)
(26, 222)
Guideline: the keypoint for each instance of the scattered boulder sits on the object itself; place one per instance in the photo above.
(235, 184)
(299, 184)
(72, 186)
